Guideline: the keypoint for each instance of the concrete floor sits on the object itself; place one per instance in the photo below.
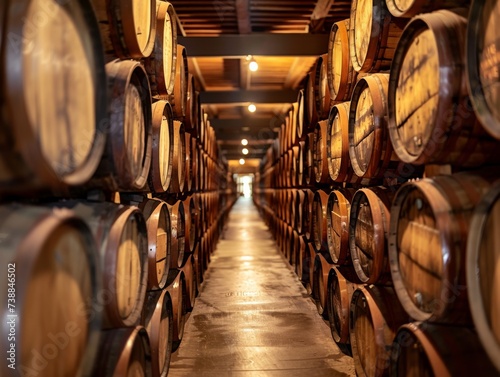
(253, 318)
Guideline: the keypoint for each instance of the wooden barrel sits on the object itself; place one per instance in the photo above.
(429, 276)
(192, 221)
(338, 210)
(320, 292)
(482, 63)
(127, 27)
(178, 99)
(375, 315)
(410, 8)
(483, 272)
(301, 247)
(178, 232)
(49, 277)
(307, 214)
(320, 168)
(198, 266)
(192, 106)
(299, 211)
(301, 128)
(41, 144)
(309, 163)
(177, 289)
(370, 148)
(190, 280)
(194, 164)
(121, 236)
(159, 242)
(303, 261)
(434, 122)
(161, 64)
(340, 72)
(295, 166)
(319, 227)
(157, 319)
(368, 233)
(160, 173)
(321, 89)
(308, 268)
(373, 35)
(424, 349)
(124, 352)
(188, 165)
(311, 114)
(127, 157)
(179, 159)
(339, 294)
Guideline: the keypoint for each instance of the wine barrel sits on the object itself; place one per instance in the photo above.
(188, 165)
(308, 268)
(309, 163)
(301, 128)
(483, 272)
(121, 236)
(482, 63)
(410, 8)
(161, 64)
(339, 293)
(159, 242)
(338, 210)
(373, 35)
(127, 157)
(430, 117)
(127, 28)
(179, 159)
(43, 146)
(320, 292)
(429, 277)
(311, 112)
(178, 99)
(157, 319)
(307, 214)
(295, 166)
(319, 227)
(50, 287)
(321, 172)
(160, 173)
(340, 72)
(177, 292)
(368, 233)
(190, 280)
(301, 248)
(191, 220)
(124, 352)
(198, 266)
(192, 106)
(425, 349)
(303, 262)
(321, 89)
(178, 232)
(375, 315)
(299, 211)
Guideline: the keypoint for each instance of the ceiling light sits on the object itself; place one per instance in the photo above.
(253, 66)
(244, 142)
(242, 161)
(252, 108)
(244, 151)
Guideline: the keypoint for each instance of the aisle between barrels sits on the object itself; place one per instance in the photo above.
(253, 317)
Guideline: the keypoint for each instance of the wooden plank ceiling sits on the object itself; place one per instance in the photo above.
(232, 122)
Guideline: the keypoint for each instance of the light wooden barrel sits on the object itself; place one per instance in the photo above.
(178, 232)
(340, 72)
(178, 99)
(430, 223)
(127, 157)
(338, 210)
(410, 8)
(319, 225)
(50, 280)
(320, 292)
(160, 173)
(370, 148)
(483, 272)
(178, 159)
(159, 242)
(127, 27)
(124, 352)
(157, 319)
(320, 168)
(483, 61)
(339, 294)
(424, 349)
(375, 315)
(373, 35)
(121, 236)
(161, 64)
(368, 233)
(177, 289)
(43, 146)
(430, 117)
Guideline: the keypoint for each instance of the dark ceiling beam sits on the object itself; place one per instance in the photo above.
(243, 16)
(245, 96)
(237, 46)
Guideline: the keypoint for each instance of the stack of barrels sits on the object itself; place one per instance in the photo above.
(383, 187)
(112, 190)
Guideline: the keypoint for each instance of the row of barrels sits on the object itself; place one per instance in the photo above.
(80, 276)
(418, 253)
(109, 105)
